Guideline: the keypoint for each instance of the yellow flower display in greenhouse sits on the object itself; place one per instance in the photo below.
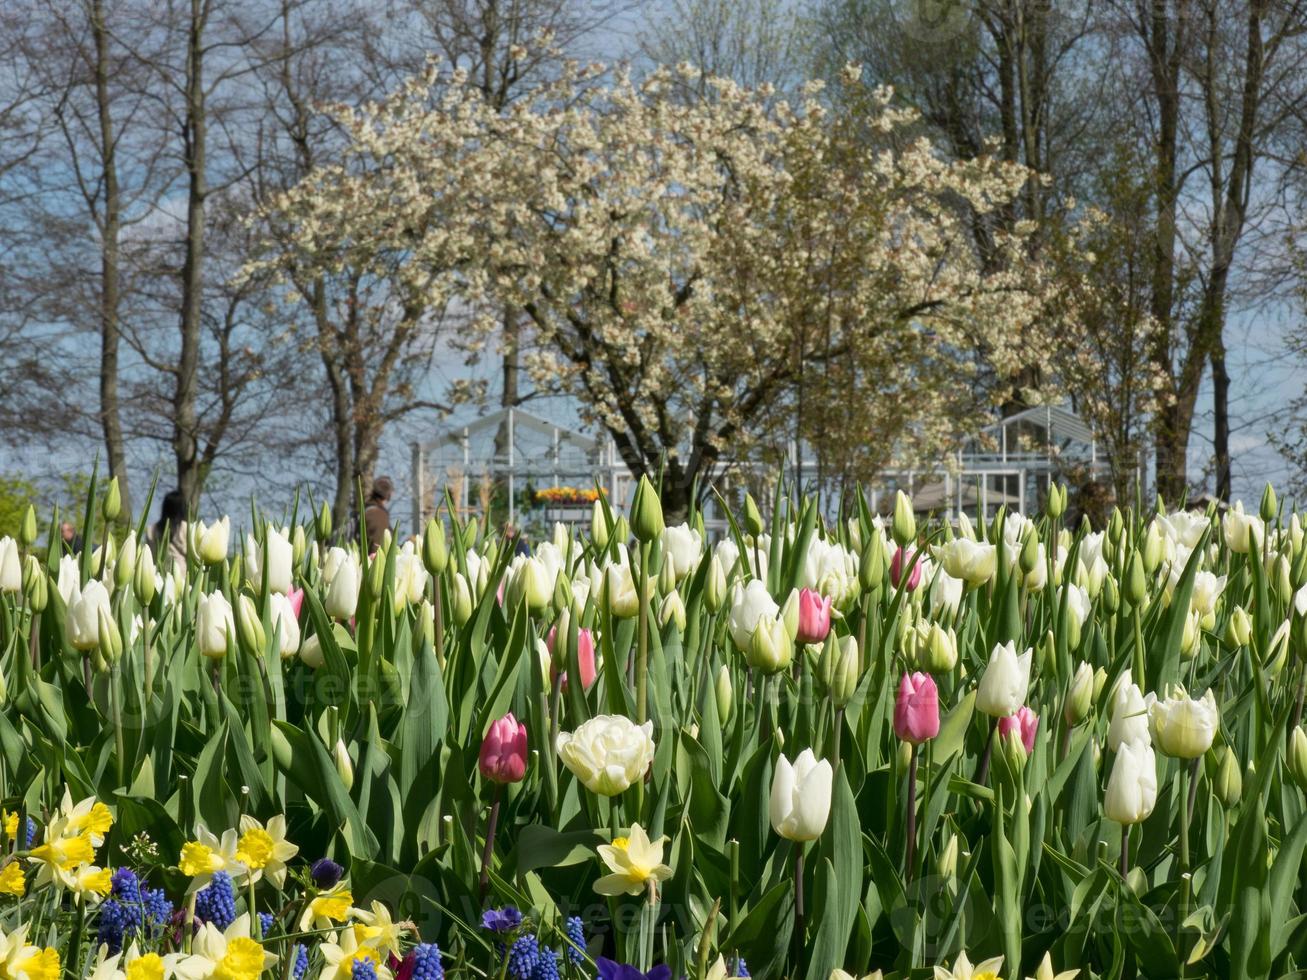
(635, 861)
(264, 850)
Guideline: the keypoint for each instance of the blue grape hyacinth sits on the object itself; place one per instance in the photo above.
(575, 930)
(522, 958)
(216, 902)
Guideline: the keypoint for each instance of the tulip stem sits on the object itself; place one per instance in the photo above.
(910, 801)
(642, 642)
(982, 771)
(1125, 849)
(1297, 708)
(487, 852)
(798, 904)
(837, 731)
(116, 711)
(1187, 773)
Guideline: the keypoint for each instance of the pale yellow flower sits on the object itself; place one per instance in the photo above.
(264, 850)
(634, 861)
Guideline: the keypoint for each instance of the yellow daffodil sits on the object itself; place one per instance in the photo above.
(341, 951)
(59, 856)
(376, 927)
(21, 961)
(963, 970)
(327, 907)
(634, 861)
(89, 883)
(201, 857)
(88, 816)
(129, 965)
(12, 879)
(229, 954)
(264, 850)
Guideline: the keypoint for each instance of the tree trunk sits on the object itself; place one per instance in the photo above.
(185, 434)
(1221, 411)
(111, 227)
(508, 395)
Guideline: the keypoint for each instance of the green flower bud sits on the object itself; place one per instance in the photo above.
(1136, 581)
(672, 611)
(111, 639)
(1080, 696)
(647, 512)
(323, 523)
(344, 764)
(1270, 506)
(770, 647)
(1227, 778)
(904, 528)
(1029, 557)
(598, 526)
(112, 504)
(1298, 757)
(1239, 629)
(753, 522)
(939, 653)
(724, 693)
(1115, 526)
(871, 570)
(27, 530)
(470, 533)
(1153, 549)
(36, 584)
(377, 574)
(1282, 580)
(144, 582)
(249, 627)
(1056, 504)
(435, 552)
(666, 577)
(621, 529)
(299, 543)
(848, 670)
(790, 614)
(460, 597)
(1100, 682)
(1109, 599)
(714, 587)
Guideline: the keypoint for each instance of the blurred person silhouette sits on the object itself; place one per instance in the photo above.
(376, 514)
(170, 527)
(69, 539)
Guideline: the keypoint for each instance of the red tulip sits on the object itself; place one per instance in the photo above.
(585, 656)
(916, 709)
(1025, 722)
(901, 560)
(503, 751)
(814, 616)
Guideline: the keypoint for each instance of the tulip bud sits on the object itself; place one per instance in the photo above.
(939, 654)
(844, 681)
(27, 530)
(377, 574)
(621, 529)
(1056, 504)
(871, 570)
(904, 528)
(1080, 696)
(1282, 580)
(125, 566)
(1227, 778)
(1160, 506)
(672, 611)
(770, 647)
(1270, 506)
(790, 614)
(714, 591)
(666, 577)
(1298, 571)
(1109, 599)
(111, 640)
(1239, 630)
(1115, 526)
(344, 765)
(323, 523)
(1189, 636)
(598, 526)
(1048, 645)
(112, 504)
(1298, 757)
(1136, 581)
(562, 593)
(1029, 557)
(646, 512)
(299, 543)
(947, 866)
(435, 552)
(724, 694)
(753, 522)
(249, 627)
(1153, 547)
(1100, 682)
(38, 592)
(281, 750)
(31, 569)
(1013, 751)
(470, 531)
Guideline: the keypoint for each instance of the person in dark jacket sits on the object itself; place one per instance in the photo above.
(169, 532)
(376, 513)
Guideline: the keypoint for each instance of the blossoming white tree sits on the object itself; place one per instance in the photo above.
(683, 263)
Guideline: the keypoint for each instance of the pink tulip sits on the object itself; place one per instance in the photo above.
(296, 599)
(1025, 722)
(901, 560)
(585, 656)
(503, 751)
(916, 709)
(814, 616)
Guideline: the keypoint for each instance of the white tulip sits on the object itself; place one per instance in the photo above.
(283, 620)
(608, 753)
(82, 617)
(311, 652)
(210, 541)
(1243, 532)
(683, 547)
(1132, 786)
(749, 604)
(214, 623)
(968, 560)
(70, 578)
(280, 560)
(1129, 714)
(830, 570)
(1207, 589)
(11, 569)
(1006, 681)
(1182, 727)
(800, 797)
(343, 585)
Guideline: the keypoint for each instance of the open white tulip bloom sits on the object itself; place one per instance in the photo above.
(749, 604)
(342, 574)
(280, 556)
(1006, 681)
(968, 560)
(1132, 787)
(82, 617)
(608, 753)
(210, 541)
(214, 623)
(283, 620)
(683, 547)
(1129, 714)
(1182, 727)
(800, 797)
(11, 569)
(1243, 532)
